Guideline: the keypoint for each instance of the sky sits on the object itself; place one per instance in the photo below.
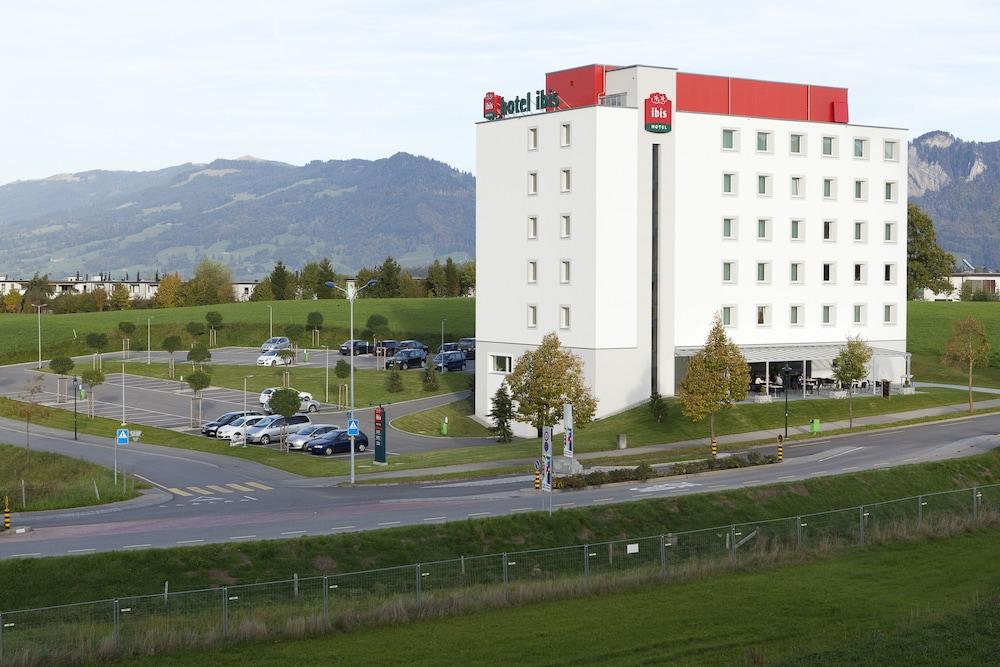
(144, 85)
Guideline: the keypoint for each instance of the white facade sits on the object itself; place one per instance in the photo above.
(979, 282)
(522, 167)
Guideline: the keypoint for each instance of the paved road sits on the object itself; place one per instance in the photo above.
(204, 498)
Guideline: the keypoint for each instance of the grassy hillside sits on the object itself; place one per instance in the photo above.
(243, 324)
(929, 325)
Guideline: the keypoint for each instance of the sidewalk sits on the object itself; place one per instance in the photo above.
(733, 438)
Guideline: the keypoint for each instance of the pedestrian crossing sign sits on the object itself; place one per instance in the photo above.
(122, 436)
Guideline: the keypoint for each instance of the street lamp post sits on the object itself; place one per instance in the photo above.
(123, 394)
(351, 291)
(148, 330)
(38, 308)
(270, 322)
(327, 348)
(245, 378)
(786, 370)
(441, 349)
(76, 392)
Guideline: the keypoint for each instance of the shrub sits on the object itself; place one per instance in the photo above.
(342, 369)
(657, 406)
(394, 382)
(430, 378)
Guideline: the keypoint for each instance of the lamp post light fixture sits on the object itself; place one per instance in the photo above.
(786, 370)
(76, 392)
(351, 291)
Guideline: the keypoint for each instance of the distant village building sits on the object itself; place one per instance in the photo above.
(979, 281)
(137, 289)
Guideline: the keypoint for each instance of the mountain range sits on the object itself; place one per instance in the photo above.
(246, 213)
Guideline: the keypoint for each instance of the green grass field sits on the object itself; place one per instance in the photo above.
(428, 422)
(243, 324)
(881, 605)
(929, 327)
(53, 481)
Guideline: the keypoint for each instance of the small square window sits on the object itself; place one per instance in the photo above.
(763, 229)
(889, 233)
(861, 148)
(889, 273)
(500, 363)
(729, 272)
(728, 316)
(797, 187)
(532, 316)
(889, 314)
(728, 228)
(859, 273)
(797, 144)
(889, 151)
(829, 188)
(859, 313)
(890, 191)
(829, 230)
(795, 272)
(860, 190)
(532, 271)
(829, 146)
(829, 314)
(565, 226)
(564, 134)
(564, 317)
(859, 232)
(828, 273)
(795, 315)
(532, 138)
(564, 180)
(763, 185)
(763, 316)
(532, 182)
(728, 140)
(763, 142)
(797, 229)
(564, 271)
(763, 272)
(532, 226)
(729, 184)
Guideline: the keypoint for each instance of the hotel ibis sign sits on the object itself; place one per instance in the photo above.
(659, 113)
(495, 106)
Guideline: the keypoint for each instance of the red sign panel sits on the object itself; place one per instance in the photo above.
(492, 106)
(659, 113)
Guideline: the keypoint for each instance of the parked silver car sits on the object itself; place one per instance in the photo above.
(274, 428)
(301, 438)
(276, 343)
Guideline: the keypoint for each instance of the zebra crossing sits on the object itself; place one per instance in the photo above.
(218, 489)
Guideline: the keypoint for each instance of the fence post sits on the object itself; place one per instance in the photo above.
(798, 532)
(506, 580)
(1, 639)
(295, 584)
(326, 599)
(586, 565)
(920, 510)
(225, 610)
(975, 503)
(114, 613)
(418, 584)
(732, 543)
(663, 556)
(861, 525)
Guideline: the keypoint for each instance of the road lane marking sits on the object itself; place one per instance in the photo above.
(833, 456)
(189, 541)
(24, 555)
(478, 513)
(249, 498)
(850, 468)
(220, 489)
(523, 509)
(79, 551)
(752, 481)
(817, 473)
(178, 492)
(293, 532)
(262, 487)
(563, 504)
(342, 528)
(602, 500)
(198, 489)
(239, 487)
(243, 537)
(787, 477)
(136, 546)
(436, 518)
(389, 523)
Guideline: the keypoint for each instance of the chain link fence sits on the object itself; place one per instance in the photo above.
(300, 606)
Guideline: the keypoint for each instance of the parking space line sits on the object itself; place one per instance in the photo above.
(262, 487)
(220, 489)
(238, 487)
(178, 492)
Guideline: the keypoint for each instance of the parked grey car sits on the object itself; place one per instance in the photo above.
(301, 438)
(276, 343)
(273, 428)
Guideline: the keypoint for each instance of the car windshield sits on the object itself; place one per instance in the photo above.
(239, 422)
(267, 421)
(309, 430)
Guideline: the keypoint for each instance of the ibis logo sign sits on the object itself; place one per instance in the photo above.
(659, 113)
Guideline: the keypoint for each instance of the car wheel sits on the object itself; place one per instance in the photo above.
(406, 365)
(313, 408)
(265, 439)
(362, 446)
(328, 451)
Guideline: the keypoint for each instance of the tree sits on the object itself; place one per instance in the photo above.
(285, 402)
(967, 348)
(325, 274)
(436, 285)
(281, 282)
(100, 299)
(430, 379)
(501, 413)
(850, 366)
(294, 331)
(12, 302)
(169, 294)
(657, 406)
(314, 321)
(927, 265)
(389, 279)
(61, 366)
(30, 407)
(287, 356)
(211, 283)
(198, 355)
(544, 380)
(394, 381)
(467, 275)
(38, 290)
(125, 330)
(342, 369)
(717, 378)
(310, 280)
(171, 344)
(195, 330)
(91, 379)
(262, 291)
(967, 292)
(198, 381)
(98, 342)
(120, 297)
(452, 280)
(376, 327)
(214, 319)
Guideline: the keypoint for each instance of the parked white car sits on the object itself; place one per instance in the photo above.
(273, 358)
(236, 430)
(308, 403)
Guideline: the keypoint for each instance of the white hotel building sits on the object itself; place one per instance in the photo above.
(760, 202)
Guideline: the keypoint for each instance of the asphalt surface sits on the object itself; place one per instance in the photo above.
(206, 498)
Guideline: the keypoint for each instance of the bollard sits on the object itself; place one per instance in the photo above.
(781, 453)
(538, 480)
(715, 448)
(6, 513)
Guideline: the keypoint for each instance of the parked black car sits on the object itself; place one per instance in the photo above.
(210, 428)
(405, 359)
(451, 361)
(468, 345)
(336, 442)
(391, 347)
(412, 345)
(360, 347)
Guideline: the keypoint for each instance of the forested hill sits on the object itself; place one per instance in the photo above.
(246, 213)
(958, 183)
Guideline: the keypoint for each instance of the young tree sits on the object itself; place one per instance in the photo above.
(389, 280)
(212, 283)
(262, 291)
(61, 366)
(430, 379)
(342, 369)
(718, 377)
(91, 379)
(657, 406)
(120, 297)
(294, 332)
(12, 302)
(171, 344)
(169, 293)
(927, 265)
(285, 402)
(967, 348)
(501, 413)
(214, 319)
(287, 356)
(376, 327)
(967, 292)
(452, 279)
(544, 380)
(98, 342)
(281, 282)
(850, 366)
(314, 321)
(198, 355)
(125, 330)
(195, 330)
(29, 408)
(394, 381)
(198, 381)
(100, 299)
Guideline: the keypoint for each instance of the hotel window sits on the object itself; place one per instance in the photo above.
(763, 272)
(889, 235)
(564, 180)
(889, 273)
(860, 190)
(564, 317)
(829, 315)
(564, 226)
(797, 188)
(729, 184)
(859, 272)
(763, 185)
(861, 148)
(829, 146)
(890, 191)
(797, 144)
(829, 230)
(795, 272)
(859, 313)
(500, 363)
(532, 271)
(728, 316)
(889, 314)
(532, 182)
(795, 315)
(763, 229)
(763, 142)
(729, 140)
(763, 316)
(859, 232)
(729, 272)
(798, 226)
(829, 275)
(564, 134)
(729, 228)
(532, 138)
(532, 316)
(532, 226)
(829, 188)
(889, 151)
(564, 271)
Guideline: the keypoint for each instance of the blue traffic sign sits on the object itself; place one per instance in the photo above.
(352, 427)
(121, 435)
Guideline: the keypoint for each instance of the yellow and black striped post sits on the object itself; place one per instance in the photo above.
(715, 448)
(781, 453)
(6, 513)
(538, 480)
